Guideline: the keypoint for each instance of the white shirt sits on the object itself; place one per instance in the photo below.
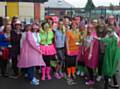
(36, 38)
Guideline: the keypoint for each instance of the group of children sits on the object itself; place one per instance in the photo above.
(64, 47)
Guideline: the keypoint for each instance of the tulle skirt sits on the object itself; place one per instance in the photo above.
(48, 49)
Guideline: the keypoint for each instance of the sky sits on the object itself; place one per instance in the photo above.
(82, 3)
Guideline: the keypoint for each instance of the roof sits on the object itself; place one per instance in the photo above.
(108, 7)
(58, 4)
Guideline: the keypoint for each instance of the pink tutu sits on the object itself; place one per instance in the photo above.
(48, 49)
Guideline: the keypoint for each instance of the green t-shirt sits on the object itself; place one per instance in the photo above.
(46, 37)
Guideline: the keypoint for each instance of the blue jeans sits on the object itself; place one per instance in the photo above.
(30, 72)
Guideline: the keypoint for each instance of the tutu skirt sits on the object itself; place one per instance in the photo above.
(48, 49)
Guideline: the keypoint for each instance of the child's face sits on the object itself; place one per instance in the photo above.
(46, 26)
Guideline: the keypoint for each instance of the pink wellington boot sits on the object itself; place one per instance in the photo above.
(48, 69)
(43, 74)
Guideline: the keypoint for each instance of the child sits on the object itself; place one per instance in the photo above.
(111, 58)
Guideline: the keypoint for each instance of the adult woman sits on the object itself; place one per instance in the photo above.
(72, 45)
(91, 52)
(30, 54)
(48, 49)
(60, 48)
(4, 46)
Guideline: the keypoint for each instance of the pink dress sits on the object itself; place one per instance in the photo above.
(93, 62)
(30, 54)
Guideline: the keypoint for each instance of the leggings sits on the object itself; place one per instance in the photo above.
(91, 74)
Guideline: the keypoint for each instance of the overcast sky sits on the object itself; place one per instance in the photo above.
(81, 3)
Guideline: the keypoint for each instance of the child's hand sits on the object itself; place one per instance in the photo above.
(89, 57)
(40, 51)
(98, 38)
(2, 48)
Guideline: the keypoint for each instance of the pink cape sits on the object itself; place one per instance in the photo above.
(30, 54)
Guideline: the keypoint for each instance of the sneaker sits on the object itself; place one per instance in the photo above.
(35, 79)
(57, 76)
(70, 82)
(61, 75)
(90, 82)
(99, 78)
(82, 74)
(78, 73)
(14, 76)
(5, 75)
(25, 75)
(109, 80)
(73, 83)
(114, 86)
(34, 82)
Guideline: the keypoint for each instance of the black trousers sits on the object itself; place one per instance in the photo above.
(106, 78)
(3, 66)
(14, 65)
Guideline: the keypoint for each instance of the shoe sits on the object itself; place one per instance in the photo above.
(70, 82)
(5, 75)
(34, 82)
(82, 74)
(61, 75)
(73, 83)
(114, 86)
(57, 76)
(14, 76)
(109, 80)
(78, 73)
(90, 82)
(25, 75)
(35, 79)
(99, 78)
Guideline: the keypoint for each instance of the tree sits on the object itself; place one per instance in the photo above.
(112, 7)
(89, 7)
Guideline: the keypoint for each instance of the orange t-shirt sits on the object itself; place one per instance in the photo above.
(72, 38)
